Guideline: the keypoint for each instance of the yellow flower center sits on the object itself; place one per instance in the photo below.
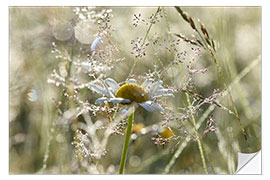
(136, 128)
(166, 133)
(133, 92)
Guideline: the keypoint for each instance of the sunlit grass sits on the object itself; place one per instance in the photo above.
(202, 80)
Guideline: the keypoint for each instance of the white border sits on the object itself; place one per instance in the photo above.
(4, 169)
(135, 2)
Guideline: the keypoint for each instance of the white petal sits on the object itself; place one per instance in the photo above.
(113, 100)
(119, 100)
(162, 91)
(107, 89)
(155, 87)
(147, 83)
(95, 43)
(167, 95)
(151, 106)
(132, 81)
(98, 89)
(163, 95)
(101, 100)
(113, 84)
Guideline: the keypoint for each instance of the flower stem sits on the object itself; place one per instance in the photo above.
(125, 148)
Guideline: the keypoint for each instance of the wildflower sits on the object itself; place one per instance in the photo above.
(144, 94)
(165, 132)
(137, 128)
(163, 136)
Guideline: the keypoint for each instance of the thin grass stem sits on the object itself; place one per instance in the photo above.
(151, 160)
(144, 39)
(197, 136)
(194, 126)
(232, 100)
(125, 148)
(184, 143)
(209, 110)
(208, 159)
(212, 54)
(189, 104)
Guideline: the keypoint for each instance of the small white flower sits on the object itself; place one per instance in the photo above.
(144, 94)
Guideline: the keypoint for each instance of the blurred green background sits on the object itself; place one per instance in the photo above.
(237, 33)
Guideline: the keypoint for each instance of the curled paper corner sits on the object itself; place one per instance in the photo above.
(249, 163)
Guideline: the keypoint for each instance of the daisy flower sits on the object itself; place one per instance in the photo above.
(131, 92)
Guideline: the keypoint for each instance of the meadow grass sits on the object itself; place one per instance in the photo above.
(197, 85)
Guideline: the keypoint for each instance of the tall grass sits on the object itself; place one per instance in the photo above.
(66, 59)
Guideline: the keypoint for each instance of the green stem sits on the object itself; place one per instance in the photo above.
(220, 73)
(212, 53)
(208, 159)
(167, 23)
(132, 69)
(189, 103)
(195, 126)
(197, 136)
(125, 148)
(149, 28)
